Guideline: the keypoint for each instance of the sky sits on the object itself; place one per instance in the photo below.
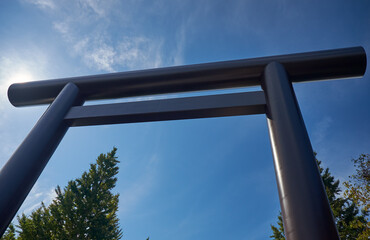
(188, 179)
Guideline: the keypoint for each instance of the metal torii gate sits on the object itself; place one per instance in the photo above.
(305, 208)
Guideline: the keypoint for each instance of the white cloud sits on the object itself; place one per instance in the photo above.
(128, 53)
(37, 195)
(179, 50)
(102, 57)
(139, 52)
(97, 6)
(43, 4)
(321, 130)
(90, 31)
(81, 45)
(62, 27)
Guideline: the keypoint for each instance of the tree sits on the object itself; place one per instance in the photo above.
(278, 232)
(85, 209)
(358, 187)
(351, 223)
(9, 234)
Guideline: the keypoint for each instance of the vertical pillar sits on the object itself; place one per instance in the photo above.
(305, 208)
(20, 173)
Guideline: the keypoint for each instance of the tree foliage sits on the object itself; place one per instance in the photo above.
(85, 209)
(358, 187)
(351, 222)
(9, 234)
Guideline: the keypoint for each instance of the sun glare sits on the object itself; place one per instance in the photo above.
(20, 76)
(17, 76)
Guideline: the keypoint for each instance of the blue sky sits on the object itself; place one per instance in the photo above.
(190, 179)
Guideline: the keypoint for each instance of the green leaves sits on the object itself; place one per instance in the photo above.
(9, 234)
(358, 191)
(278, 233)
(85, 209)
(358, 186)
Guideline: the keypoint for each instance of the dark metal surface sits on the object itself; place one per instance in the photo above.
(24, 167)
(169, 109)
(330, 64)
(305, 208)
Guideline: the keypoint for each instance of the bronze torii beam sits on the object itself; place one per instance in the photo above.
(305, 208)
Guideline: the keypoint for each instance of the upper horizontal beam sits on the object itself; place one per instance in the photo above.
(329, 64)
(169, 109)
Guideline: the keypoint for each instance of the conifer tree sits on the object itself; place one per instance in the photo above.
(9, 234)
(85, 209)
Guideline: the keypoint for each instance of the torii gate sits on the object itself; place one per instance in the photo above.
(305, 208)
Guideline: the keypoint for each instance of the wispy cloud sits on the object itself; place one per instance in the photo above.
(97, 6)
(43, 4)
(88, 30)
(321, 130)
(99, 55)
(139, 51)
(139, 188)
(62, 28)
(127, 52)
(37, 195)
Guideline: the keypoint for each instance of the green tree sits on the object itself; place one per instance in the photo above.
(9, 234)
(351, 223)
(85, 209)
(358, 188)
(278, 232)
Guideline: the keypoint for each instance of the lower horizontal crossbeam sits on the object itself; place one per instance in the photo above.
(169, 109)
